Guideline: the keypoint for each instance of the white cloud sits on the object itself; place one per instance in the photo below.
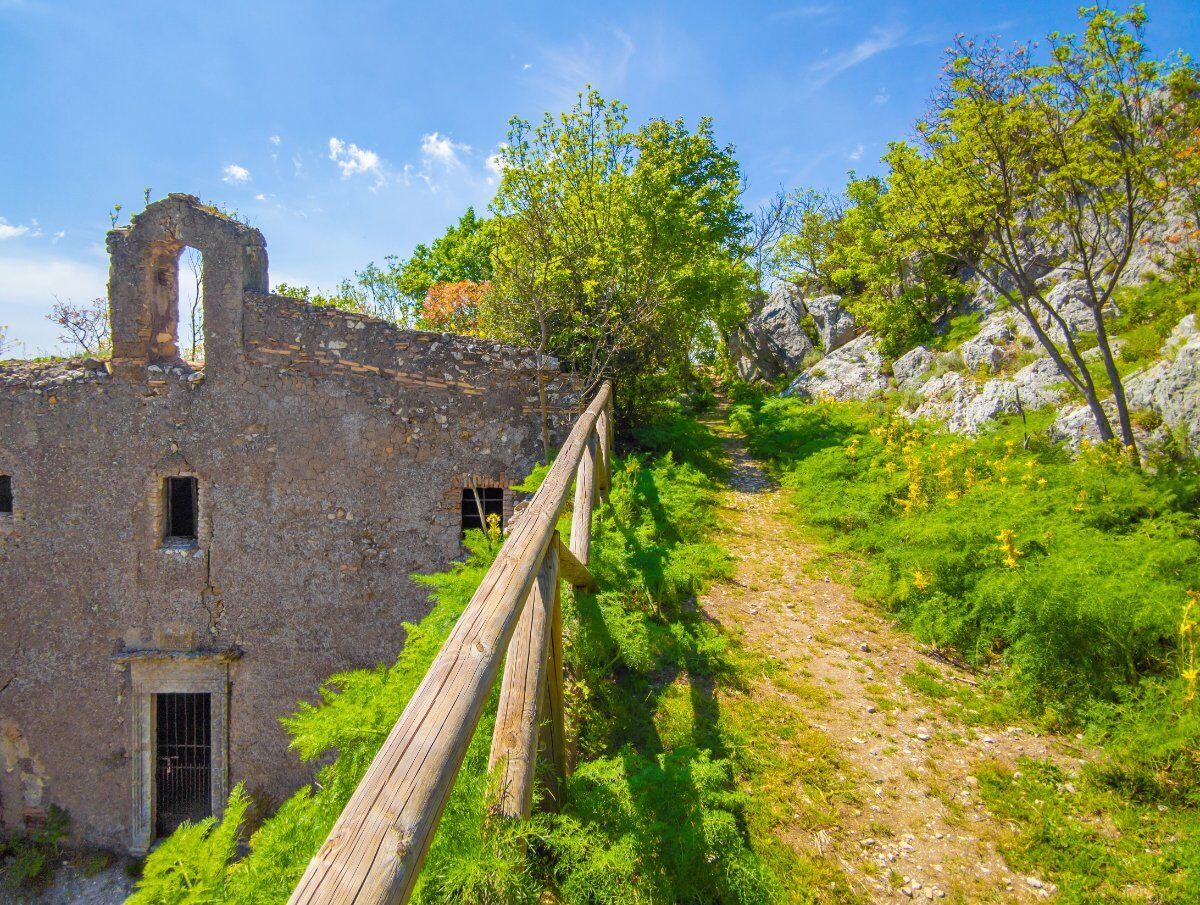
(28, 287)
(235, 175)
(441, 149)
(857, 153)
(526, 66)
(58, 235)
(355, 161)
(879, 41)
(260, 197)
(882, 96)
(11, 231)
(495, 162)
(274, 139)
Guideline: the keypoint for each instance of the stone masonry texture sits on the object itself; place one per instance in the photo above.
(330, 451)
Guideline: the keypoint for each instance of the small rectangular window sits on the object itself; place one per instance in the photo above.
(182, 510)
(478, 503)
(6, 502)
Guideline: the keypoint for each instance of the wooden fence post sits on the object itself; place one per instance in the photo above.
(553, 741)
(514, 740)
(585, 495)
(374, 852)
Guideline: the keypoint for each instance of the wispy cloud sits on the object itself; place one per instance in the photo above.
(441, 150)
(235, 175)
(275, 140)
(602, 61)
(879, 41)
(12, 230)
(30, 282)
(857, 153)
(495, 165)
(882, 96)
(355, 161)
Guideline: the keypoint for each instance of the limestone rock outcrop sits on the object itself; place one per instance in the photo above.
(853, 371)
(835, 325)
(913, 366)
(991, 346)
(772, 342)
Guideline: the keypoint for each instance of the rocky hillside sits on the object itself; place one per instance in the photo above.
(987, 363)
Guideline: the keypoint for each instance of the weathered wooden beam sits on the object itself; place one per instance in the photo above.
(572, 569)
(585, 497)
(553, 740)
(515, 738)
(376, 848)
(603, 458)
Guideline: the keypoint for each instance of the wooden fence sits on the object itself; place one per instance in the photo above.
(375, 850)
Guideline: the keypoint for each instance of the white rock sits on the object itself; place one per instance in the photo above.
(835, 325)
(772, 342)
(989, 348)
(913, 366)
(855, 371)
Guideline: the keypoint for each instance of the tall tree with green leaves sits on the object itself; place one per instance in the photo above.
(1023, 167)
(618, 251)
(462, 252)
(397, 291)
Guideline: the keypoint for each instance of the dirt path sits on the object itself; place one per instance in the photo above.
(905, 821)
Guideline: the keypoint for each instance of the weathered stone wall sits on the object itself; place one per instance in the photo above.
(330, 451)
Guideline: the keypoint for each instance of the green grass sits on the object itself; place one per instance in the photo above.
(1096, 844)
(1149, 312)
(27, 861)
(656, 810)
(1064, 581)
(961, 328)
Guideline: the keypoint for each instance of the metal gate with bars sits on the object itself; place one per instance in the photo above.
(183, 759)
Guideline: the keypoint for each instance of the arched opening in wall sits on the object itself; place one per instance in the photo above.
(191, 305)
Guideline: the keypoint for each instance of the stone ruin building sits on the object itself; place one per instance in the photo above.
(186, 552)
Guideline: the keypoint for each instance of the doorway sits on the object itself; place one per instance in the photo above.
(182, 759)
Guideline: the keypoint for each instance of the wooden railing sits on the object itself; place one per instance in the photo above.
(375, 850)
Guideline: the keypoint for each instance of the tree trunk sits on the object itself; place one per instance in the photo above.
(1114, 377)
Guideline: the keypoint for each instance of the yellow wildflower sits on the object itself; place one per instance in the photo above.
(1008, 546)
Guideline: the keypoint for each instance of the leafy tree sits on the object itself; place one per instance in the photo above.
(398, 290)
(462, 252)
(345, 298)
(454, 307)
(846, 243)
(1024, 167)
(767, 227)
(1185, 93)
(801, 256)
(619, 251)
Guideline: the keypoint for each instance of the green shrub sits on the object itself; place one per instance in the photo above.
(28, 861)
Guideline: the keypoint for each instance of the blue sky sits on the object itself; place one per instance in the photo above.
(348, 131)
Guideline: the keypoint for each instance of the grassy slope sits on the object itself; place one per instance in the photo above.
(656, 809)
(1065, 582)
